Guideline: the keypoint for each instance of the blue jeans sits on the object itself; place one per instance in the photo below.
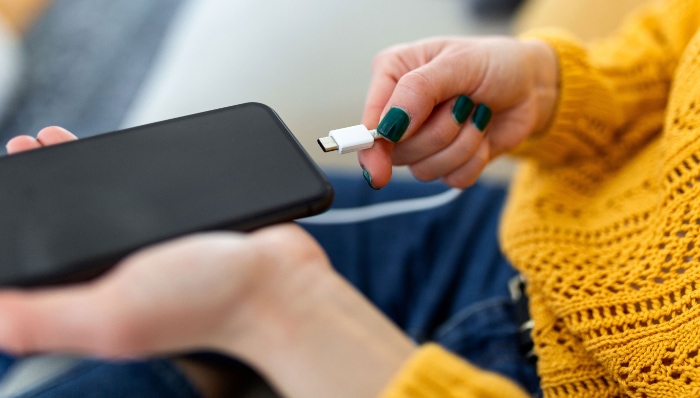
(425, 256)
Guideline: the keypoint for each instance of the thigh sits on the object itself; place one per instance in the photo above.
(423, 265)
(429, 258)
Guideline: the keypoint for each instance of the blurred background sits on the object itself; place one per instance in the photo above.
(93, 66)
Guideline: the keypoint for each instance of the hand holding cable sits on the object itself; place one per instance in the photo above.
(450, 105)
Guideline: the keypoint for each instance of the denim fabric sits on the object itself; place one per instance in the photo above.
(437, 273)
(96, 379)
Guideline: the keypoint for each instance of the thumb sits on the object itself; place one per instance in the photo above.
(376, 163)
(64, 319)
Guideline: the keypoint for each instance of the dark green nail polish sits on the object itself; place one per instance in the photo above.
(482, 117)
(394, 124)
(368, 178)
(462, 109)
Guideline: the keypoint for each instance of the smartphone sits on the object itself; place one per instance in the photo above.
(71, 211)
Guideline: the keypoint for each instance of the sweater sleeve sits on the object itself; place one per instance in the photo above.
(613, 92)
(435, 373)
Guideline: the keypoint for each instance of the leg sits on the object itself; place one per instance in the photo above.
(438, 273)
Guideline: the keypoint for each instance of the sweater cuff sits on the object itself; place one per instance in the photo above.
(585, 115)
(434, 372)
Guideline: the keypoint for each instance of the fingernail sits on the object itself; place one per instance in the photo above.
(394, 124)
(368, 178)
(482, 117)
(462, 109)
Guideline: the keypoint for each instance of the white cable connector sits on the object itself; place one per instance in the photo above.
(349, 139)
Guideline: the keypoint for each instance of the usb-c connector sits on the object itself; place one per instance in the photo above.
(349, 139)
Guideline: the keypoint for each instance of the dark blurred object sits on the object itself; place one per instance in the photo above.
(495, 8)
(85, 60)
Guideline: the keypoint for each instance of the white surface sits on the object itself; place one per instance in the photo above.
(308, 59)
(10, 65)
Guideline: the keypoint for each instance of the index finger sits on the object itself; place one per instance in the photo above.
(47, 136)
(376, 161)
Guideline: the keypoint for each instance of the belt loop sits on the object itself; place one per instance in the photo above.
(517, 286)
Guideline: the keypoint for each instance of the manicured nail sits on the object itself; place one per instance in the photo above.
(394, 124)
(482, 117)
(368, 178)
(462, 109)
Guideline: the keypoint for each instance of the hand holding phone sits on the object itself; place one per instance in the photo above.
(70, 211)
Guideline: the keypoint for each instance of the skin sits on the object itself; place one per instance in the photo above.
(272, 298)
(284, 311)
(516, 79)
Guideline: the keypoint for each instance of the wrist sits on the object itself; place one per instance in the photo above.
(544, 60)
(348, 346)
(304, 319)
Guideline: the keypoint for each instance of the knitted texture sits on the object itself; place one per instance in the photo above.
(604, 215)
(433, 372)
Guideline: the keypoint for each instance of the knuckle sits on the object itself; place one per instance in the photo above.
(417, 82)
(381, 59)
(440, 138)
(460, 181)
(387, 58)
(423, 173)
(468, 174)
(470, 147)
(289, 241)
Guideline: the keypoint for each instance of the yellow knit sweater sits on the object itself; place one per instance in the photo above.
(604, 221)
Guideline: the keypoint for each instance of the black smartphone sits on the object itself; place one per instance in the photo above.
(69, 212)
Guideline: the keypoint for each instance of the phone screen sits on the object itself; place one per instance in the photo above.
(68, 212)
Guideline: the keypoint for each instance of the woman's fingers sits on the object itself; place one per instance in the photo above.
(54, 135)
(48, 136)
(22, 143)
(459, 152)
(408, 84)
(448, 74)
(376, 163)
(467, 174)
(445, 142)
(386, 72)
(416, 89)
(436, 134)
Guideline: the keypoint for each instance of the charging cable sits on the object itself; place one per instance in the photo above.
(348, 140)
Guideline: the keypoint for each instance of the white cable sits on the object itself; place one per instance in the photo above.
(385, 209)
